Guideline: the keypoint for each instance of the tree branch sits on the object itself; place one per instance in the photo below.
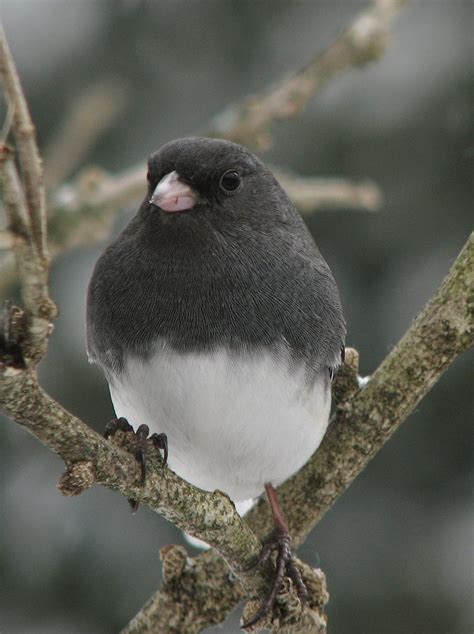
(364, 423)
(33, 327)
(28, 154)
(248, 121)
(26, 210)
(90, 458)
(365, 419)
(312, 194)
(85, 212)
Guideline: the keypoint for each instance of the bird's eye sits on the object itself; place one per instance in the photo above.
(230, 181)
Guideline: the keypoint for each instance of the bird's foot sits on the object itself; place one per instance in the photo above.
(277, 542)
(141, 448)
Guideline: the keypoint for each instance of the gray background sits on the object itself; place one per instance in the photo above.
(397, 547)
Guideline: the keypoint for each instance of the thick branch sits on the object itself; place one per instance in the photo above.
(362, 425)
(442, 331)
(90, 458)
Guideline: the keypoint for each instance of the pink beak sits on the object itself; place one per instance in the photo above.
(171, 194)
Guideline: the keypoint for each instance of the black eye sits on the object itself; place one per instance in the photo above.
(230, 181)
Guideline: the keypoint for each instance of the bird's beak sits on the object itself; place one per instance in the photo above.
(171, 194)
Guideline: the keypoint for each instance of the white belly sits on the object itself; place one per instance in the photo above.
(233, 421)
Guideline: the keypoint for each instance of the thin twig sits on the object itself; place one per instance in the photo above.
(28, 155)
(26, 212)
(32, 268)
(6, 126)
(13, 196)
(84, 213)
(249, 121)
(363, 41)
(310, 194)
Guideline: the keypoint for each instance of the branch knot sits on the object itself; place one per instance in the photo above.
(78, 477)
(174, 560)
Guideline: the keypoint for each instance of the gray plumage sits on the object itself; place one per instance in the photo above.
(240, 270)
(238, 273)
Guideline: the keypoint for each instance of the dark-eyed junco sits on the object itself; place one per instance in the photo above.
(218, 323)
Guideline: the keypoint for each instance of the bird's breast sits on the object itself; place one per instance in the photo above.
(234, 420)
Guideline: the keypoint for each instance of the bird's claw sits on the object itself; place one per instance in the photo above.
(159, 441)
(278, 541)
(115, 425)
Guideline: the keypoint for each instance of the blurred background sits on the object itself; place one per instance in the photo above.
(397, 546)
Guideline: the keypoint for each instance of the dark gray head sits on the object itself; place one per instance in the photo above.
(217, 255)
(213, 180)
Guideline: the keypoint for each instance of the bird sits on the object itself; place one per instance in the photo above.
(219, 328)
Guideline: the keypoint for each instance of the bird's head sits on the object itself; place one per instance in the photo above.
(195, 176)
